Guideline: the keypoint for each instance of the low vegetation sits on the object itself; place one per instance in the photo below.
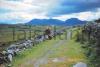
(69, 53)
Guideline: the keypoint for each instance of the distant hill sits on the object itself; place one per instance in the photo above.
(45, 22)
(74, 21)
(69, 22)
(56, 22)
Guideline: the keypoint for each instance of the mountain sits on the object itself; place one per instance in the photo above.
(45, 22)
(69, 22)
(74, 21)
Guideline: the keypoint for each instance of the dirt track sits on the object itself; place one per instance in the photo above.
(44, 59)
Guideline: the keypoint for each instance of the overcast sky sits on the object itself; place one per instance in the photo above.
(22, 11)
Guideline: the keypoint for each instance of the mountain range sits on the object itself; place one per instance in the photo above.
(69, 22)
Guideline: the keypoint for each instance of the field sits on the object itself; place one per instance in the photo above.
(15, 33)
(10, 34)
(50, 53)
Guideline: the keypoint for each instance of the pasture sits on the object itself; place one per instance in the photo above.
(57, 52)
(52, 53)
(10, 34)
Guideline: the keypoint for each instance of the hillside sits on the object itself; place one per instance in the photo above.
(69, 22)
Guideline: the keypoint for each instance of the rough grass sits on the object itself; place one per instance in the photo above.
(70, 50)
(6, 33)
(32, 53)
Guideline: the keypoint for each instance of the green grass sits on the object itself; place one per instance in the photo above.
(32, 53)
(6, 32)
(71, 51)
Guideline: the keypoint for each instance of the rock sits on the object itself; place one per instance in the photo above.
(80, 64)
(58, 60)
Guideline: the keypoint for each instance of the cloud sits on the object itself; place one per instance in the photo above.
(24, 10)
(74, 6)
(88, 15)
(19, 17)
(3, 10)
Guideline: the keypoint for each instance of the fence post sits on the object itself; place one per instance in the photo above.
(54, 32)
(24, 34)
(13, 31)
(30, 31)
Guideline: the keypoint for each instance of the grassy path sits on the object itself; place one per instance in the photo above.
(66, 55)
(44, 58)
(34, 53)
(51, 53)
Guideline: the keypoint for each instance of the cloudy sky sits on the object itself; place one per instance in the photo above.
(22, 11)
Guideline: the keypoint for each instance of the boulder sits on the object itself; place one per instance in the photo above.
(80, 64)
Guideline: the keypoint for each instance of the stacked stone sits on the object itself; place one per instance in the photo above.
(90, 35)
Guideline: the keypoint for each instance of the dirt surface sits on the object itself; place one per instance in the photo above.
(44, 58)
